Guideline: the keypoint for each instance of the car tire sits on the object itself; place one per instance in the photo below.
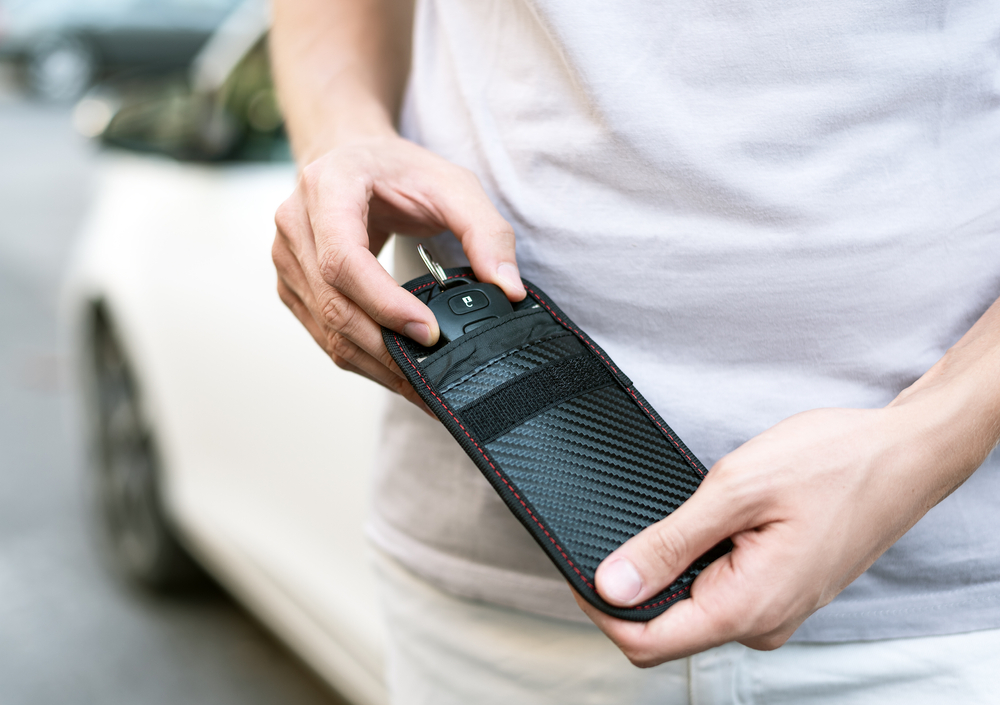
(127, 475)
(60, 69)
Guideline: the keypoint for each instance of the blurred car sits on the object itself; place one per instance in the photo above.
(62, 46)
(220, 435)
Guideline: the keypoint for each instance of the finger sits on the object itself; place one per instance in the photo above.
(623, 633)
(360, 364)
(439, 195)
(736, 598)
(345, 353)
(332, 311)
(348, 322)
(487, 239)
(719, 610)
(294, 304)
(652, 559)
(338, 220)
(401, 387)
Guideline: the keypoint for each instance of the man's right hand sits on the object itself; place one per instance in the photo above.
(343, 209)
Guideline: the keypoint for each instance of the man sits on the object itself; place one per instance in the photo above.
(781, 220)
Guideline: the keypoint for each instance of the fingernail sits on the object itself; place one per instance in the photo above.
(509, 274)
(418, 332)
(620, 581)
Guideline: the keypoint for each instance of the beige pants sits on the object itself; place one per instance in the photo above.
(445, 650)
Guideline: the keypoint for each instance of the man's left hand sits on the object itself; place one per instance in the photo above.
(809, 505)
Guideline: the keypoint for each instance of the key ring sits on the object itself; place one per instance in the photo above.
(433, 267)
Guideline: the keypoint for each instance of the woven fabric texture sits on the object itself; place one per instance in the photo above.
(561, 434)
(596, 471)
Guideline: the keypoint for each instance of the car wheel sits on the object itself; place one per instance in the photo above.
(127, 476)
(61, 69)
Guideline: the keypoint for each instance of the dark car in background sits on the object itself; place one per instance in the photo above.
(61, 47)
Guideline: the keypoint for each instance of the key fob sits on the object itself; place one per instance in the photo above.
(466, 305)
(462, 305)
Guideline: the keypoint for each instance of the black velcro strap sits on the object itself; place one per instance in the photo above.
(514, 402)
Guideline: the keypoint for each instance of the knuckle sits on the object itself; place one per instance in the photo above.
(337, 312)
(640, 658)
(284, 216)
(284, 294)
(385, 358)
(340, 348)
(381, 310)
(770, 643)
(668, 546)
(404, 389)
(311, 176)
(279, 253)
(768, 621)
(333, 265)
(638, 650)
(342, 363)
(767, 642)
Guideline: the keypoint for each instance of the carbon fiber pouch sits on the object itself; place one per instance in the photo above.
(564, 437)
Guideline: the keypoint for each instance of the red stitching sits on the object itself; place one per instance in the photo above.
(495, 469)
(504, 479)
(652, 418)
(578, 333)
(666, 599)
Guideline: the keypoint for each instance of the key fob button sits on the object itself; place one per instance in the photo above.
(459, 306)
(476, 324)
(468, 302)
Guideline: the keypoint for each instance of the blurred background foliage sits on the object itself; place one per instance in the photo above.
(185, 78)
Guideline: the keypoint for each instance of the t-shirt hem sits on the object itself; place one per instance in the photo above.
(969, 609)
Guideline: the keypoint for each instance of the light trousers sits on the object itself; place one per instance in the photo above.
(445, 650)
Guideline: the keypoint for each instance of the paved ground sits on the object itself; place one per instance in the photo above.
(69, 631)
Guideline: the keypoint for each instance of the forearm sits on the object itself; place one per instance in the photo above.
(955, 407)
(340, 67)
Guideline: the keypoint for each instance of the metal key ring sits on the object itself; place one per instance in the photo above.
(433, 267)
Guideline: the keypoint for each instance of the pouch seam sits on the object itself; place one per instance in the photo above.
(507, 483)
(620, 378)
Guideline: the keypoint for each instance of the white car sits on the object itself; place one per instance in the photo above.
(219, 428)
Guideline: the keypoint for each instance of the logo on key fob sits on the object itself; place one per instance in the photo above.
(462, 304)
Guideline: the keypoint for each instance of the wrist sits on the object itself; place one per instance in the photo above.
(338, 129)
(944, 426)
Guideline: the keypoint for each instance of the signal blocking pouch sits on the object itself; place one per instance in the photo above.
(563, 436)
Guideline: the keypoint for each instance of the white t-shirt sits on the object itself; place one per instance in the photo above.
(756, 209)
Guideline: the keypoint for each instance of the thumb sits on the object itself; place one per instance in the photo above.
(652, 559)
(487, 239)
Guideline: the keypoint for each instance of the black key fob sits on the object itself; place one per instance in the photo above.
(462, 305)
(466, 305)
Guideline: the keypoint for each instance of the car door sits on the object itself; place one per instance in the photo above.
(266, 444)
